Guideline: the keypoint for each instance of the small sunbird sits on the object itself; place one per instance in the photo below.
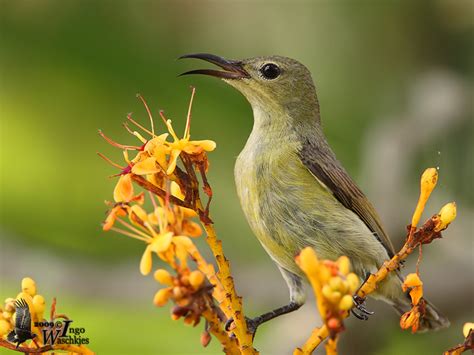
(293, 190)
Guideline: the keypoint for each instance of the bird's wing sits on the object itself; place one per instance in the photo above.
(322, 163)
(23, 315)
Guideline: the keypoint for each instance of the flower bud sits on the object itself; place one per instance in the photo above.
(28, 285)
(344, 265)
(353, 281)
(39, 305)
(163, 277)
(161, 297)
(467, 328)
(308, 261)
(447, 214)
(205, 338)
(146, 261)
(335, 297)
(189, 319)
(336, 283)
(10, 306)
(7, 315)
(326, 291)
(346, 303)
(4, 328)
(333, 323)
(196, 278)
(177, 292)
(428, 181)
(324, 274)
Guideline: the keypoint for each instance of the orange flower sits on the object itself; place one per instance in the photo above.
(411, 319)
(153, 157)
(123, 195)
(414, 282)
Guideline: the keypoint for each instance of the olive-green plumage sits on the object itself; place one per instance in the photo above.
(293, 190)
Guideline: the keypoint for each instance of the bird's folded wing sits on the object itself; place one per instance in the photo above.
(322, 163)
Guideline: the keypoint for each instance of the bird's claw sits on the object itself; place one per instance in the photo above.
(362, 312)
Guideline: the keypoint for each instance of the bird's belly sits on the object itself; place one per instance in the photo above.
(288, 209)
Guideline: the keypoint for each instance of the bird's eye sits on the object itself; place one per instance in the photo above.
(270, 71)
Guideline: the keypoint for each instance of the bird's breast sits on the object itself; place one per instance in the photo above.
(288, 208)
(273, 187)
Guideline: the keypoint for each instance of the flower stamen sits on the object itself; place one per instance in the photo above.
(129, 117)
(128, 234)
(188, 117)
(132, 228)
(149, 114)
(110, 161)
(116, 144)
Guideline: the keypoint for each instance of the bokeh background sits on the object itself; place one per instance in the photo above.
(395, 82)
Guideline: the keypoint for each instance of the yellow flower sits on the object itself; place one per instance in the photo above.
(158, 244)
(185, 145)
(152, 159)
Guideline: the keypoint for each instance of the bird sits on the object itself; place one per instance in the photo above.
(294, 192)
(22, 331)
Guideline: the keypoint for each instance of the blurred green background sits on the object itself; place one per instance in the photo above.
(395, 83)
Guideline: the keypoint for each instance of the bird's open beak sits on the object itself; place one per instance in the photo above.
(232, 69)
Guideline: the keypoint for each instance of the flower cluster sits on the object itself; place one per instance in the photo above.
(36, 305)
(334, 286)
(167, 170)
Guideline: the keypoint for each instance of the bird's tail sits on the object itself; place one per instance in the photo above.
(432, 320)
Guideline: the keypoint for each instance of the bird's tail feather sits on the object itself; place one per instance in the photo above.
(432, 320)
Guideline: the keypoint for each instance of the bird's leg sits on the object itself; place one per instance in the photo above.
(297, 299)
(359, 302)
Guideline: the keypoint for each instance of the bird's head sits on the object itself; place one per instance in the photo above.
(273, 84)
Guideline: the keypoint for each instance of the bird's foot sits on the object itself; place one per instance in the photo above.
(360, 311)
(252, 324)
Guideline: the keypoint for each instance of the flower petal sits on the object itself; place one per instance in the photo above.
(207, 144)
(176, 190)
(137, 215)
(191, 228)
(162, 242)
(158, 141)
(146, 261)
(411, 280)
(123, 191)
(416, 294)
(145, 167)
(173, 160)
(117, 211)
